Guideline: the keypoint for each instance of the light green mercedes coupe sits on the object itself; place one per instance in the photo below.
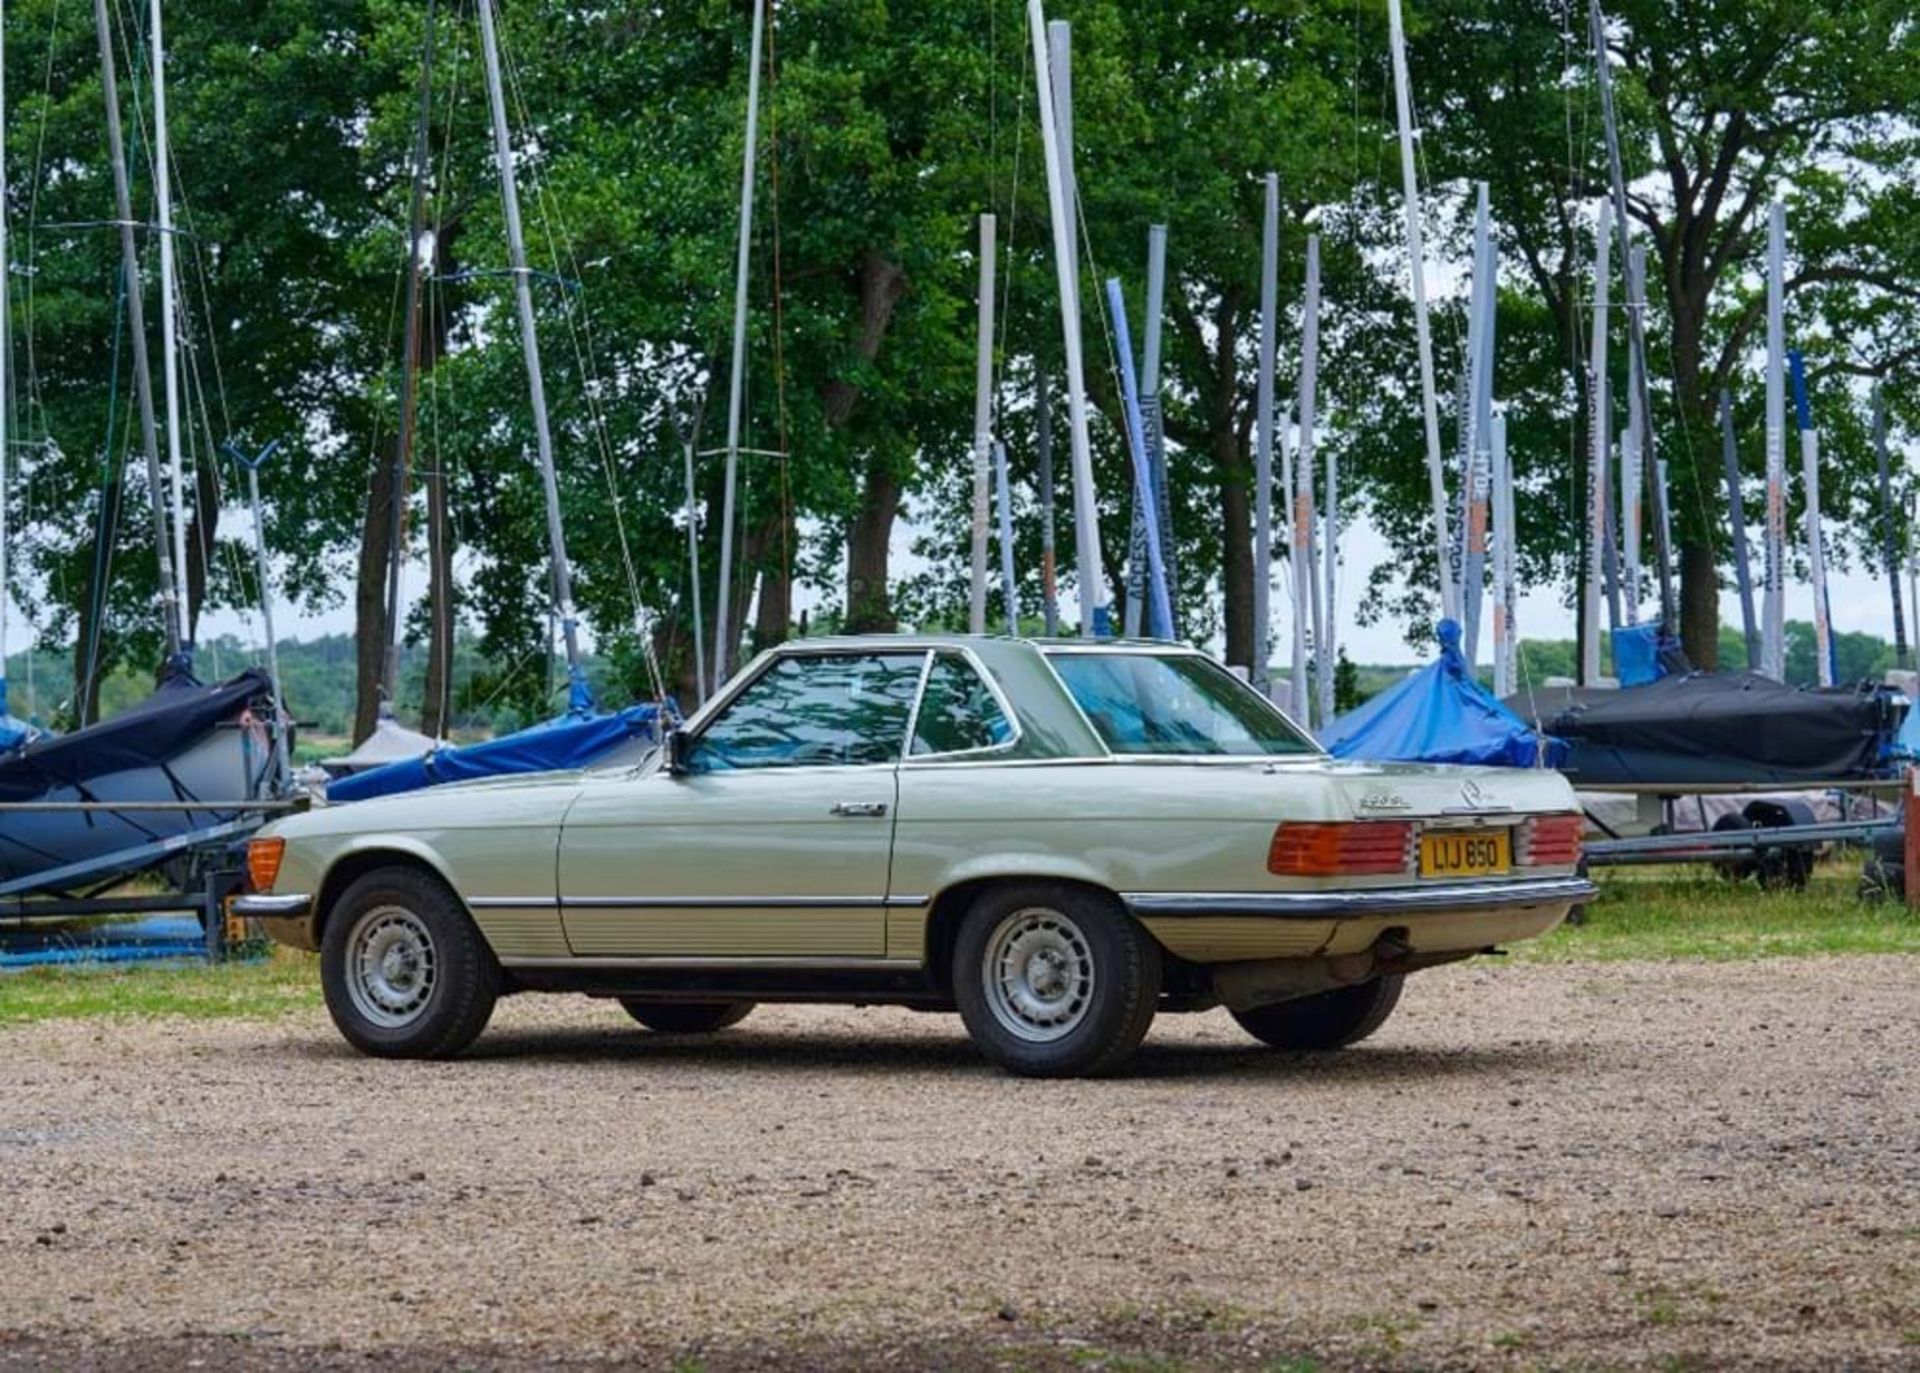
(1058, 839)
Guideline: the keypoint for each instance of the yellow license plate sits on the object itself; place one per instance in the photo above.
(1466, 853)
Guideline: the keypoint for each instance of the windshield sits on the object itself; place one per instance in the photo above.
(1179, 704)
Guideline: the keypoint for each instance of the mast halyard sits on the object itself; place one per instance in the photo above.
(578, 697)
(170, 608)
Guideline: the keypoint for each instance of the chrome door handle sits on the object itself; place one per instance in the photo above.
(865, 808)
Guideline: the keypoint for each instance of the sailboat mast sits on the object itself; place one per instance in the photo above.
(1597, 485)
(1737, 516)
(1306, 599)
(1888, 538)
(1263, 445)
(1773, 633)
(169, 316)
(737, 378)
(1636, 316)
(982, 430)
(1156, 435)
(530, 346)
(409, 373)
(170, 609)
(1056, 148)
(1416, 257)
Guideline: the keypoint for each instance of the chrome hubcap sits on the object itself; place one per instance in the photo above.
(1038, 975)
(390, 966)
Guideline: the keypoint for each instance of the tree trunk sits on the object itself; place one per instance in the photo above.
(370, 599)
(773, 617)
(1233, 472)
(870, 532)
(869, 535)
(1700, 605)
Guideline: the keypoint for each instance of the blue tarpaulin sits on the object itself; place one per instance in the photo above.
(570, 741)
(1439, 714)
(1636, 655)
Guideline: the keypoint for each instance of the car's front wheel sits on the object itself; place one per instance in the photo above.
(404, 971)
(1326, 1020)
(1054, 981)
(685, 1017)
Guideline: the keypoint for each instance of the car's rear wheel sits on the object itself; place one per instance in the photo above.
(685, 1017)
(1326, 1020)
(1054, 981)
(404, 971)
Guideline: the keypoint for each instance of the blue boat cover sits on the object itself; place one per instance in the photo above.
(13, 730)
(1906, 744)
(178, 715)
(568, 741)
(1636, 655)
(1439, 714)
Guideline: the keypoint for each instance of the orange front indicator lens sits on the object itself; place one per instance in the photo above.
(1352, 849)
(1551, 841)
(263, 862)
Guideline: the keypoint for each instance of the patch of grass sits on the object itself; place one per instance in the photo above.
(1651, 913)
(284, 981)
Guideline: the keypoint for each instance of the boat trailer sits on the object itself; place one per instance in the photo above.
(200, 870)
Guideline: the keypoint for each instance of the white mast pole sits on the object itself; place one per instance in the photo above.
(982, 430)
(1430, 411)
(169, 318)
(1505, 560)
(1008, 588)
(736, 381)
(1597, 484)
(1093, 597)
(1476, 446)
(1631, 458)
(1816, 542)
(693, 558)
(1773, 650)
(172, 611)
(530, 348)
(1263, 447)
(1306, 591)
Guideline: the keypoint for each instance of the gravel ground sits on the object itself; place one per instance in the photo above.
(1612, 1165)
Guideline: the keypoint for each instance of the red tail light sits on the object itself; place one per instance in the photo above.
(1550, 841)
(1352, 849)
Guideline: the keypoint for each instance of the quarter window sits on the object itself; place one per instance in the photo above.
(958, 712)
(815, 711)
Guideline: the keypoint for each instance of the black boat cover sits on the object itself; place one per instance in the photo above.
(1716, 728)
(178, 715)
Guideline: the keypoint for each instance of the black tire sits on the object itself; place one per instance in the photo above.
(436, 983)
(685, 1017)
(1102, 983)
(1326, 1020)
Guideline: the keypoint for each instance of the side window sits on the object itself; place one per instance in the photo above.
(809, 712)
(958, 712)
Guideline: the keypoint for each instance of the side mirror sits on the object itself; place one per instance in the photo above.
(678, 746)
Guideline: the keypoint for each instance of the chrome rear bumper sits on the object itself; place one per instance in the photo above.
(1367, 902)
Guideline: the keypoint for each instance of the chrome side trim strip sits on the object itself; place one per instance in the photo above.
(1377, 901)
(721, 903)
(267, 906)
(798, 963)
